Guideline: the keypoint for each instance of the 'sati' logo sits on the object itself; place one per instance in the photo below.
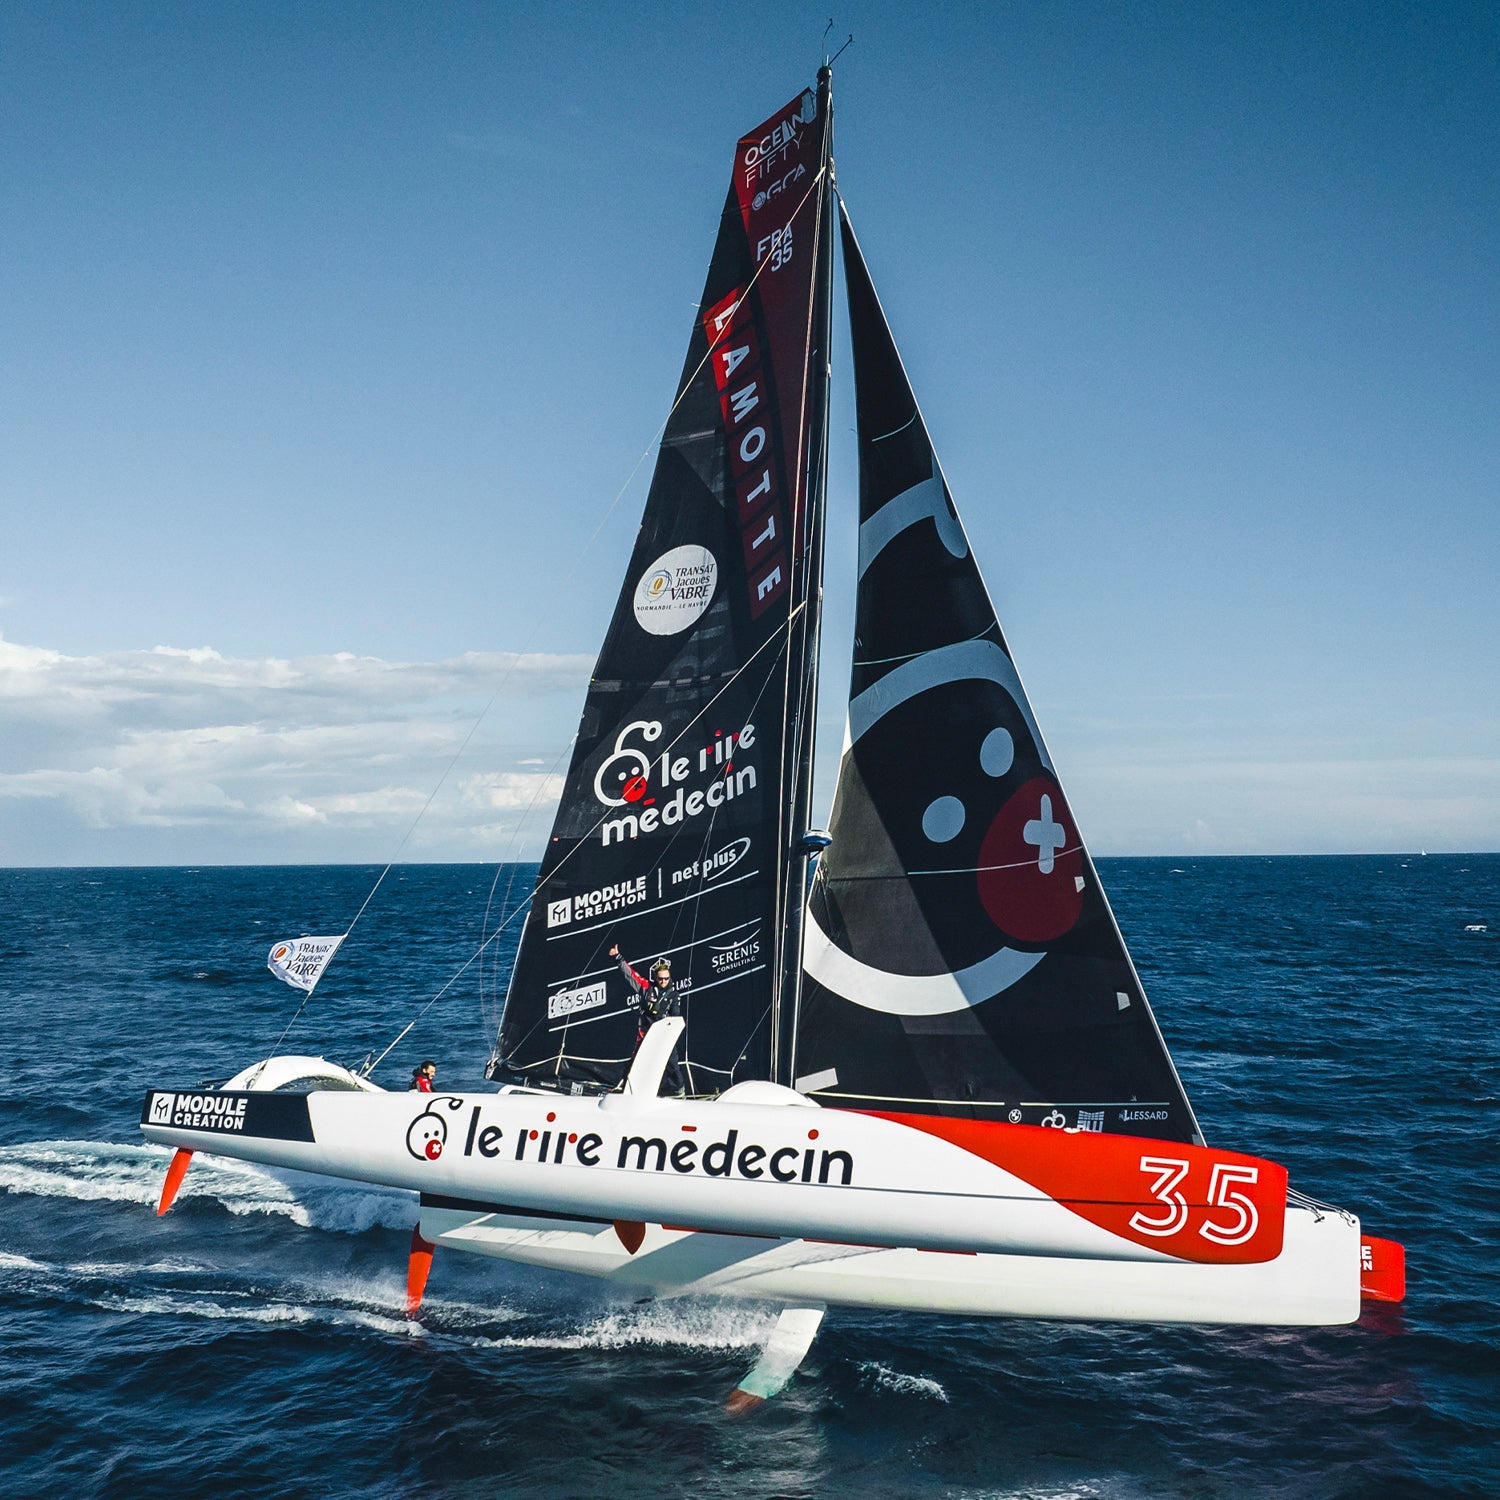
(428, 1133)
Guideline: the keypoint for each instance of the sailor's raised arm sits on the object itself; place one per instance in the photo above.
(636, 981)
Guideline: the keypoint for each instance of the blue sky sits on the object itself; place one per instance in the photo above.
(332, 334)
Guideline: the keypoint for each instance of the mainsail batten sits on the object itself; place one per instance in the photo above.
(961, 956)
(671, 828)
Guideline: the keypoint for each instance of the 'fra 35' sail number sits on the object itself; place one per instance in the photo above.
(1169, 1172)
(779, 243)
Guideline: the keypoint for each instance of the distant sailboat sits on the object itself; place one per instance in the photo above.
(927, 1079)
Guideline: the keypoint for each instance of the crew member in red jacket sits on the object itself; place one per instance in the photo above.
(421, 1078)
(654, 998)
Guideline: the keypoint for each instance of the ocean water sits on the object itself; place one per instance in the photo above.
(1334, 1014)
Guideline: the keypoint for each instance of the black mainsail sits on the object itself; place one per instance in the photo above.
(685, 792)
(961, 957)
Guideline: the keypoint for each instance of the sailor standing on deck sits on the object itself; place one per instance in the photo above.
(654, 998)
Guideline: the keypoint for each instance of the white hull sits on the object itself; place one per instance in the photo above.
(761, 1194)
(1314, 1281)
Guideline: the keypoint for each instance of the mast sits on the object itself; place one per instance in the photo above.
(803, 645)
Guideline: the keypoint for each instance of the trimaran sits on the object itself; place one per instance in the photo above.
(921, 1072)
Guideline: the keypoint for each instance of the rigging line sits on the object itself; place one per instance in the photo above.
(729, 683)
(808, 717)
(541, 1063)
(696, 899)
(276, 1046)
(765, 1014)
(568, 579)
(708, 837)
(682, 734)
(881, 437)
(1023, 864)
(812, 187)
(879, 661)
(525, 905)
(537, 625)
(704, 842)
(511, 882)
(750, 1035)
(1020, 864)
(391, 863)
(458, 974)
(713, 344)
(791, 755)
(654, 443)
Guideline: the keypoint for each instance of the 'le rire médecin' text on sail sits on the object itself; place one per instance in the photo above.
(671, 789)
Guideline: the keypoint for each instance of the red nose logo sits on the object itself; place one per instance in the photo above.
(1031, 865)
(433, 1150)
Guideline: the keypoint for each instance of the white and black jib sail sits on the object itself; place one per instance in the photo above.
(681, 791)
(960, 955)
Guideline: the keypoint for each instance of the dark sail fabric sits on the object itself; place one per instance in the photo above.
(960, 955)
(673, 817)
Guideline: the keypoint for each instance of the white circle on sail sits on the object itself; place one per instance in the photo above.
(997, 753)
(943, 819)
(675, 590)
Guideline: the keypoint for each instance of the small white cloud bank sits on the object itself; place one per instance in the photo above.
(191, 755)
(188, 756)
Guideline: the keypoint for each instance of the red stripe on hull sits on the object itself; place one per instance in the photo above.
(1195, 1202)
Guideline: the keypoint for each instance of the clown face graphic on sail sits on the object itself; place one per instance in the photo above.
(959, 951)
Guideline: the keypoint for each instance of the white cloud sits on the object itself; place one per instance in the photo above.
(514, 789)
(252, 749)
(1302, 806)
(186, 755)
(169, 685)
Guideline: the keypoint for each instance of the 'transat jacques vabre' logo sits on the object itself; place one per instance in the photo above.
(675, 590)
(428, 1133)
